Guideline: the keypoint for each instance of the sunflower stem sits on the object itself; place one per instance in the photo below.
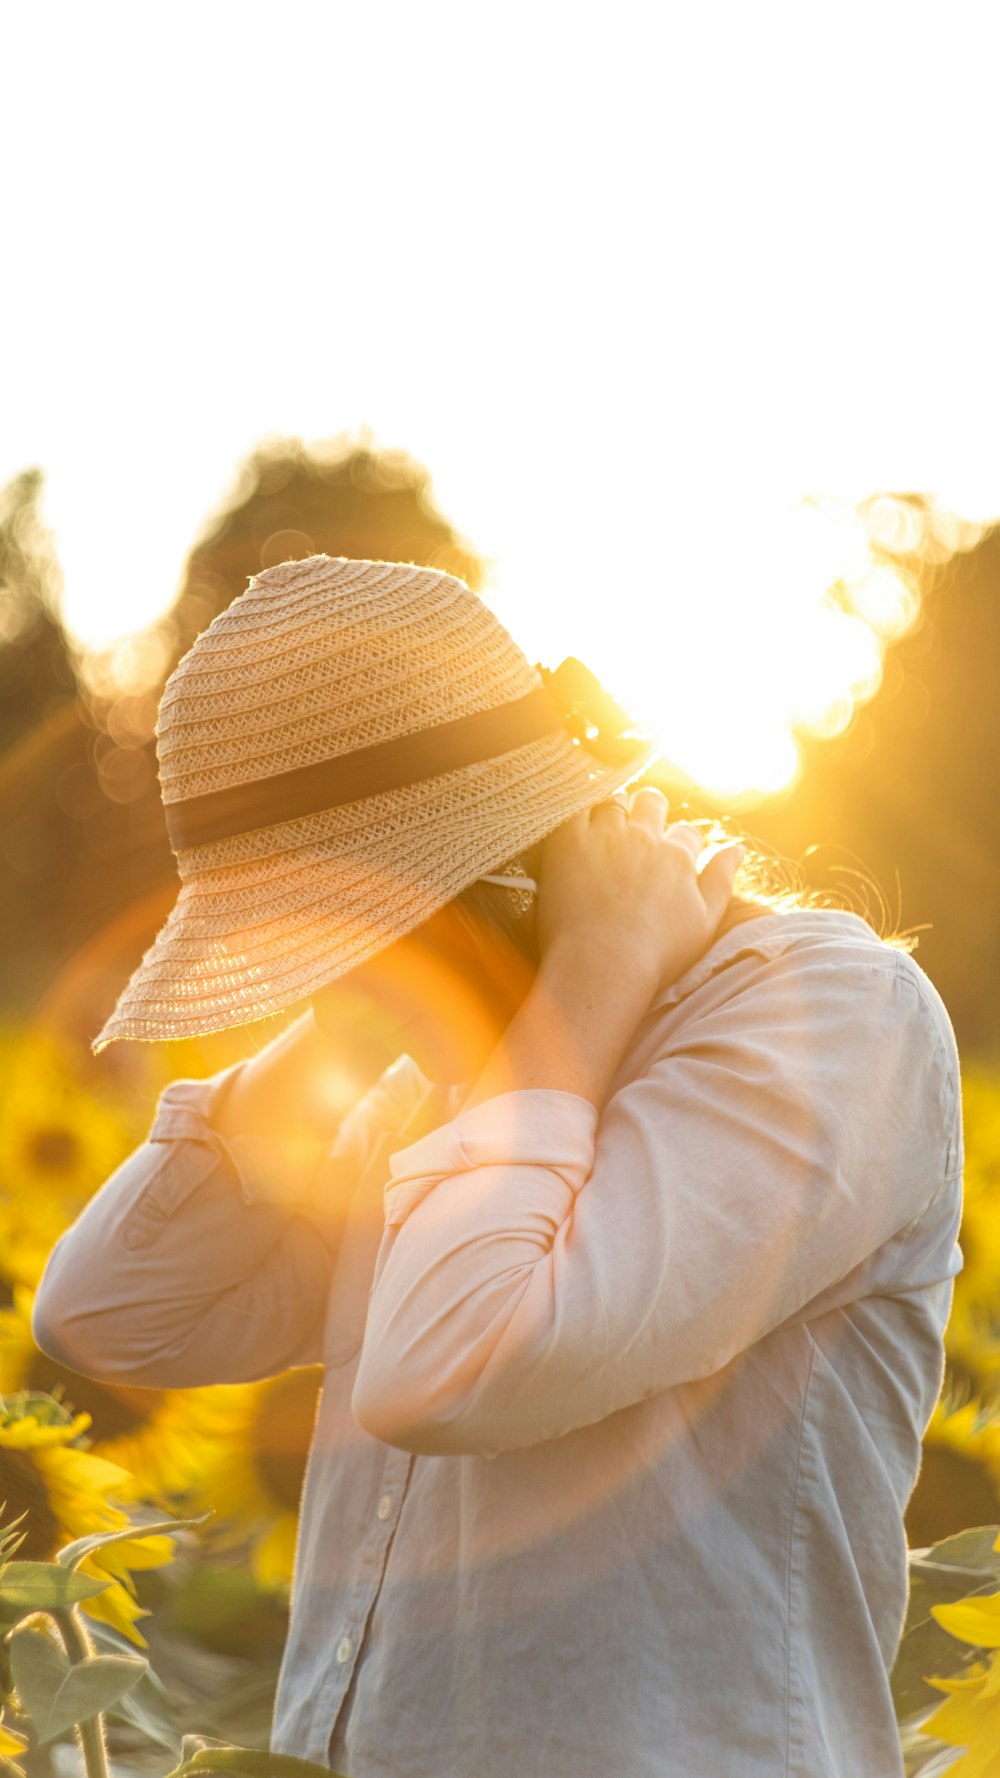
(90, 1734)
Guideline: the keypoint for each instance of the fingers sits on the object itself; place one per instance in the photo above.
(649, 808)
(614, 806)
(684, 833)
(716, 880)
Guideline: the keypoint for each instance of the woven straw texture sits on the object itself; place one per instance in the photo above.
(316, 659)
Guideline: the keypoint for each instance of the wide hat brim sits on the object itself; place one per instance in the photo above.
(252, 938)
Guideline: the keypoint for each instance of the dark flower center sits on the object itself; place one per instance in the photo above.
(281, 1434)
(53, 1149)
(22, 1487)
(953, 1492)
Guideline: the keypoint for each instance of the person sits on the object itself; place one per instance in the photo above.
(620, 1209)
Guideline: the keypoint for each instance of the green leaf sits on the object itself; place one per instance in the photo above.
(251, 1762)
(43, 1586)
(964, 1566)
(925, 1650)
(73, 1553)
(951, 1570)
(148, 1706)
(57, 1696)
(9, 1538)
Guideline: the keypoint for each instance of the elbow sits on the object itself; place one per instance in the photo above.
(401, 1413)
(456, 1412)
(51, 1327)
(81, 1338)
(429, 1417)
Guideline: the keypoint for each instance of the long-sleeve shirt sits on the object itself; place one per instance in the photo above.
(620, 1411)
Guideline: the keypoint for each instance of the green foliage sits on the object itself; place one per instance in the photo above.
(53, 1692)
(43, 1586)
(959, 1568)
(147, 1705)
(248, 1762)
(57, 1694)
(73, 1553)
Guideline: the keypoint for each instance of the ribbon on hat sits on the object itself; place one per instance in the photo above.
(570, 699)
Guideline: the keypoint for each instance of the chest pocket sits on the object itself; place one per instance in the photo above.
(182, 1167)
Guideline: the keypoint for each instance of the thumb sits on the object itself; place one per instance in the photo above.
(716, 880)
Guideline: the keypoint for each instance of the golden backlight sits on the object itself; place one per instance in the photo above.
(766, 639)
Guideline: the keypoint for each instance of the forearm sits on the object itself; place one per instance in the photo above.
(571, 1031)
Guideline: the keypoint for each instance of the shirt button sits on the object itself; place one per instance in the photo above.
(345, 1649)
(385, 1506)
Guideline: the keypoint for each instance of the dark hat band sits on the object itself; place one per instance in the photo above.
(569, 699)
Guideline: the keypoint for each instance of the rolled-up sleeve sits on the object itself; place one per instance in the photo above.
(192, 1264)
(541, 1269)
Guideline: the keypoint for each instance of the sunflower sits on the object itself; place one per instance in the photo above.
(977, 1287)
(67, 1492)
(970, 1716)
(972, 1347)
(163, 1437)
(254, 1481)
(959, 1481)
(10, 1740)
(59, 1140)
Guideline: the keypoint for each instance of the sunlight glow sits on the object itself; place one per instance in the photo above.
(661, 384)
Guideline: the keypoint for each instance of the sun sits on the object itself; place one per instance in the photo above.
(774, 631)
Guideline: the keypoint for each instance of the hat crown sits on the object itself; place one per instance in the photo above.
(322, 657)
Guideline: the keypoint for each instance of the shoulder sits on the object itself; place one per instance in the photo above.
(810, 1025)
(817, 999)
(802, 939)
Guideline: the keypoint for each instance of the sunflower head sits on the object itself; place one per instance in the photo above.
(65, 1491)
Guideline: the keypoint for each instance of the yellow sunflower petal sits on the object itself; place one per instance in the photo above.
(27, 1434)
(972, 1620)
(117, 1607)
(95, 1472)
(273, 1557)
(971, 1681)
(991, 1684)
(959, 1720)
(135, 1552)
(11, 1741)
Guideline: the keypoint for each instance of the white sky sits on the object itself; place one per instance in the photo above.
(631, 280)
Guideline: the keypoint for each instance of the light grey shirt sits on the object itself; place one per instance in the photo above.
(620, 1413)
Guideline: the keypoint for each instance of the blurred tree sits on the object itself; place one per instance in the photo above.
(37, 679)
(335, 500)
(89, 874)
(910, 793)
(908, 796)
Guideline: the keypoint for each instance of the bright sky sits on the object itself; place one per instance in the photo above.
(632, 281)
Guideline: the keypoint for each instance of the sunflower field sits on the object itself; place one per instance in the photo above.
(208, 1606)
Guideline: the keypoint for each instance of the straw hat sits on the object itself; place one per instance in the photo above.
(345, 748)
